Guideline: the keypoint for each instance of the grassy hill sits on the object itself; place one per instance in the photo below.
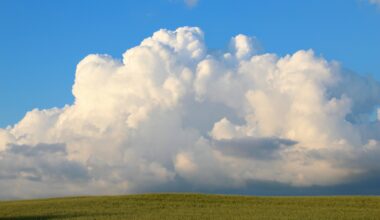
(193, 206)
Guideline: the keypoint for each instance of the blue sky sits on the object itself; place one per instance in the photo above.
(42, 41)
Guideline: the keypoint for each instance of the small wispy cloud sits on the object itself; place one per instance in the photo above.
(377, 2)
(191, 3)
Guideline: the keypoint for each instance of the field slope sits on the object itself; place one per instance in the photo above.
(193, 206)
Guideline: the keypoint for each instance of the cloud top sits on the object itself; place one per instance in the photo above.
(171, 115)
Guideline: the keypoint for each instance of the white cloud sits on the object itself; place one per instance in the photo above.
(242, 46)
(169, 113)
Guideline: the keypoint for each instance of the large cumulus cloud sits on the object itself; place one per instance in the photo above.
(170, 115)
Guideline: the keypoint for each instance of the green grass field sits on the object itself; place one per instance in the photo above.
(193, 206)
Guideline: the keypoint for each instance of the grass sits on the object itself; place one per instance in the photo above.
(193, 206)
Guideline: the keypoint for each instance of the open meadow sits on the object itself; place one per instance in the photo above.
(193, 206)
